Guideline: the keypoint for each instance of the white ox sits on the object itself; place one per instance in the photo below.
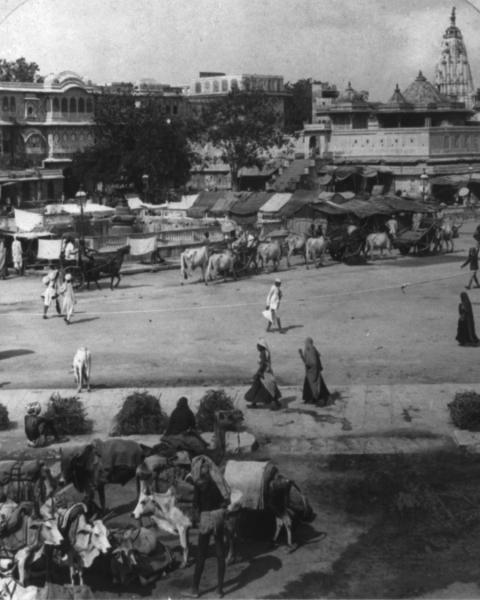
(166, 515)
(377, 241)
(191, 259)
(296, 244)
(269, 252)
(315, 249)
(82, 365)
(445, 234)
(221, 263)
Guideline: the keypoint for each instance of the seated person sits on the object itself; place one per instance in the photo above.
(319, 230)
(182, 418)
(39, 430)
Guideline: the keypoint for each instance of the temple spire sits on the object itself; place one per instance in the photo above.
(452, 17)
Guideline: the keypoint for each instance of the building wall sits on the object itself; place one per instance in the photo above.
(448, 142)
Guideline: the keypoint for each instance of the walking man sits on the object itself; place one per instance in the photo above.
(17, 255)
(51, 292)
(273, 304)
(472, 260)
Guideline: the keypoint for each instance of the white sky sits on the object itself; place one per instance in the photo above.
(372, 43)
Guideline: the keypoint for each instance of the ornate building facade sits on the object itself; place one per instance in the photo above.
(453, 76)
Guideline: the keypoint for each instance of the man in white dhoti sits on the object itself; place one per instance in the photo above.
(17, 255)
(273, 305)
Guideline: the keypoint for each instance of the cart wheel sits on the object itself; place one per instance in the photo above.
(336, 254)
(78, 278)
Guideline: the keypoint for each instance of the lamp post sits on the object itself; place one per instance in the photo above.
(80, 197)
(469, 197)
(424, 180)
(145, 179)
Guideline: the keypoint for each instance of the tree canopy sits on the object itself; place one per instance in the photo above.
(19, 70)
(243, 126)
(298, 105)
(134, 137)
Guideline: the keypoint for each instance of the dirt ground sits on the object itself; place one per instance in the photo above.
(390, 321)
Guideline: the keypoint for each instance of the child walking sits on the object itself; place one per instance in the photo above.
(472, 260)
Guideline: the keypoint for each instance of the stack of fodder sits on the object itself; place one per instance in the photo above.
(465, 410)
(68, 414)
(141, 413)
(4, 419)
(211, 402)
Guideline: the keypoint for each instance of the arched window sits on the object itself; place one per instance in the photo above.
(224, 85)
(5, 104)
(73, 105)
(56, 105)
(216, 86)
(206, 86)
(198, 87)
(13, 104)
(89, 105)
(64, 105)
(234, 84)
(81, 105)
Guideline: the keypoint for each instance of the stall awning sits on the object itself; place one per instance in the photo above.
(225, 202)
(275, 203)
(300, 204)
(204, 202)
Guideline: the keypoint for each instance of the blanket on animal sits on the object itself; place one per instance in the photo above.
(251, 478)
(189, 441)
(18, 479)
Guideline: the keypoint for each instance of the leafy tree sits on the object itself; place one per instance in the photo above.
(298, 105)
(133, 138)
(19, 70)
(243, 126)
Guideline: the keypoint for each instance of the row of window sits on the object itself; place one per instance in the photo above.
(72, 106)
(64, 105)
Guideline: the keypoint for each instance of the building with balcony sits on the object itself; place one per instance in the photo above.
(42, 125)
(209, 86)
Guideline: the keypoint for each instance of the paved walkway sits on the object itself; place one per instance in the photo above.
(362, 419)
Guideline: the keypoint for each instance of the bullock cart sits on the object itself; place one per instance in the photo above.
(420, 241)
(344, 246)
(246, 259)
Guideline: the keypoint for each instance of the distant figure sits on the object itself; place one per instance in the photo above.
(315, 390)
(264, 389)
(472, 260)
(51, 292)
(311, 229)
(40, 431)
(476, 235)
(69, 300)
(70, 251)
(273, 304)
(3, 260)
(466, 334)
(392, 226)
(17, 255)
(319, 230)
(182, 418)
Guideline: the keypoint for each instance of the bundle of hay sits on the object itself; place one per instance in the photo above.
(465, 410)
(4, 420)
(69, 415)
(211, 401)
(141, 413)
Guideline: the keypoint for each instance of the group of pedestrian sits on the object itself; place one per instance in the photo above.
(54, 290)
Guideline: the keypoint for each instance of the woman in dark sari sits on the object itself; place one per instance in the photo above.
(182, 418)
(264, 388)
(315, 390)
(466, 335)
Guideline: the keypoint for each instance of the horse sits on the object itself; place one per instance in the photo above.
(296, 244)
(315, 248)
(221, 263)
(95, 265)
(192, 258)
(269, 252)
(377, 241)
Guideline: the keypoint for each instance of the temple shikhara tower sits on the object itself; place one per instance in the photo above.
(453, 76)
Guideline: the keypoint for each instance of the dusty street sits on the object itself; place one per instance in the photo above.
(154, 331)
(390, 321)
